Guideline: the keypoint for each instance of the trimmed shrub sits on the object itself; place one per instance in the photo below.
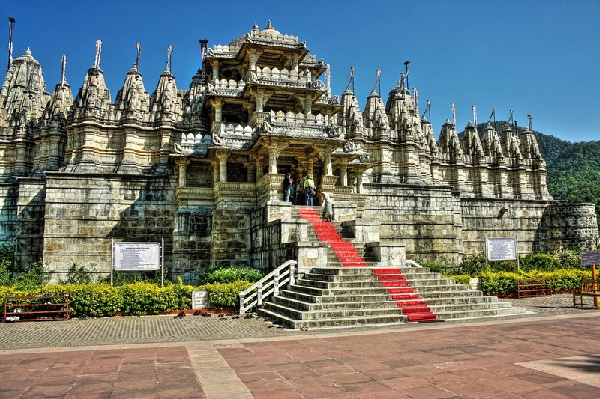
(225, 295)
(505, 283)
(230, 275)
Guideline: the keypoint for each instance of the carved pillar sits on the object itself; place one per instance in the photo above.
(182, 164)
(259, 169)
(222, 157)
(327, 161)
(273, 153)
(261, 99)
(215, 72)
(344, 174)
(359, 182)
(215, 166)
(217, 104)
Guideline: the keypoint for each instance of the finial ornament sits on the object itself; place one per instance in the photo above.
(169, 51)
(416, 96)
(137, 57)
(474, 117)
(377, 83)
(269, 26)
(530, 123)
(328, 79)
(351, 81)
(63, 68)
(453, 114)
(402, 80)
(406, 63)
(11, 22)
(512, 116)
(427, 110)
(98, 52)
(493, 116)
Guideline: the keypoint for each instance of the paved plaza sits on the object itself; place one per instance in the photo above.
(552, 352)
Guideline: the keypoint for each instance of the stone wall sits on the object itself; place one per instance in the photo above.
(84, 213)
(426, 219)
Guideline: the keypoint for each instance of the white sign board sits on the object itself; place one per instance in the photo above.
(501, 248)
(199, 299)
(590, 258)
(137, 256)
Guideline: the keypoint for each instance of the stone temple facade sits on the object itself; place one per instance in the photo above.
(203, 168)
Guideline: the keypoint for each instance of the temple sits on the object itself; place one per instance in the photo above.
(202, 169)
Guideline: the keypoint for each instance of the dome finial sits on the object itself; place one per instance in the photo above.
(269, 26)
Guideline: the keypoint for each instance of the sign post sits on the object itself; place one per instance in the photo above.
(138, 257)
(592, 258)
(497, 249)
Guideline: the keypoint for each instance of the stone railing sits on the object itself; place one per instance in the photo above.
(291, 118)
(284, 77)
(227, 87)
(270, 284)
(193, 143)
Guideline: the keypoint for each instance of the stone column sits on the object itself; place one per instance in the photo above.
(273, 153)
(215, 166)
(182, 164)
(359, 182)
(327, 162)
(217, 104)
(222, 157)
(259, 169)
(215, 67)
(344, 174)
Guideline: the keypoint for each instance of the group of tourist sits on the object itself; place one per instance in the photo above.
(304, 192)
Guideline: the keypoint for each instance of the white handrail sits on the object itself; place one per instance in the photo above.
(269, 284)
(412, 263)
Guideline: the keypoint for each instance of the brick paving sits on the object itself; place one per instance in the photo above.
(551, 353)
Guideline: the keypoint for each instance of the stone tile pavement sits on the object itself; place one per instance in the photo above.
(552, 353)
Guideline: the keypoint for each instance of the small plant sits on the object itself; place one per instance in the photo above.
(78, 274)
(230, 275)
(37, 276)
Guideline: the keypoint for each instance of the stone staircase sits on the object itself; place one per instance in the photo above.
(352, 292)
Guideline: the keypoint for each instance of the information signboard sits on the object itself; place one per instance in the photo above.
(137, 256)
(590, 258)
(501, 249)
(199, 299)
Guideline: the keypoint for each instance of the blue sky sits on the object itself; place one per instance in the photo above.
(536, 57)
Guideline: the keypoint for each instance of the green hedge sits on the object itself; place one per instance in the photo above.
(98, 300)
(505, 283)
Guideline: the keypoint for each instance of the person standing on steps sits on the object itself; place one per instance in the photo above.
(287, 187)
(300, 192)
(327, 204)
(309, 190)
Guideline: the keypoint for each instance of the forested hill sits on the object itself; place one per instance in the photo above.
(573, 168)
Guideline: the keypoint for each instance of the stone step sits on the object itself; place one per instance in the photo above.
(448, 293)
(462, 314)
(350, 283)
(460, 299)
(380, 302)
(331, 299)
(332, 313)
(455, 307)
(332, 323)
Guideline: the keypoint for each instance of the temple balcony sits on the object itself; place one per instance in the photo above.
(284, 78)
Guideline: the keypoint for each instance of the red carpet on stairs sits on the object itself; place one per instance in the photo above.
(391, 278)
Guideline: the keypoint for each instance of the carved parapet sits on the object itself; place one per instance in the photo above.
(228, 88)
